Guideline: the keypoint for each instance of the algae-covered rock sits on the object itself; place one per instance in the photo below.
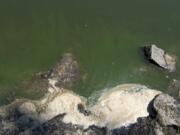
(64, 74)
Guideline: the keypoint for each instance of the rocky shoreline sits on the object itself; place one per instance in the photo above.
(50, 116)
(128, 109)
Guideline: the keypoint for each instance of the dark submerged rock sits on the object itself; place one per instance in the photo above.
(159, 57)
(53, 127)
(65, 72)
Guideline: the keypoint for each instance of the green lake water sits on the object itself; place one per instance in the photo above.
(104, 35)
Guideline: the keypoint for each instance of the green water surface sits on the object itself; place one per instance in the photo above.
(104, 35)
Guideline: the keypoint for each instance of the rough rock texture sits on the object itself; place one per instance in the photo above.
(168, 110)
(174, 88)
(160, 57)
(66, 71)
(146, 126)
(57, 127)
(26, 115)
(105, 112)
(165, 120)
(65, 113)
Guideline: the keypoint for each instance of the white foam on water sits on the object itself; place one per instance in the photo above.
(122, 105)
(116, 107)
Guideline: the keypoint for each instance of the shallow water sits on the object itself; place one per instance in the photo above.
(104, 35)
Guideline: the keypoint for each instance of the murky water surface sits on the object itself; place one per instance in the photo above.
(104, 35)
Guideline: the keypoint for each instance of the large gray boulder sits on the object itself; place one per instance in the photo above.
(165, 119)
(159, 57)
(168, 110)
